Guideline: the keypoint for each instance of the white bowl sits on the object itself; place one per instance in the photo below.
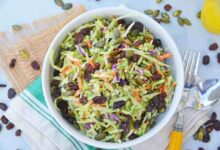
(158, 31)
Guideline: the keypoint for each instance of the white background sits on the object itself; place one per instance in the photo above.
(186, 38)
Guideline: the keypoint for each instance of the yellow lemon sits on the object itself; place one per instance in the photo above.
(210, 16)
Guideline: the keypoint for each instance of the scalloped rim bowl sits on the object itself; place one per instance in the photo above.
(158, 31)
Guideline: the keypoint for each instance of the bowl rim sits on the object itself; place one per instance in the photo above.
(77, 134)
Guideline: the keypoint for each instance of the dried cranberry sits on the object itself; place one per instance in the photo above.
(123, 82)
(121, 21)
(78, 38)
(18, 132)
(87, 76)
(10, 126)
(72, 86)
(157, 43)
(118, 104)
(125, 126)
(123, 54)
(217, 125)
(35, 65)
(138, 26)
(85, 31)
(167, 7)
(213, 116)
(89, 68)
(63, 106)
(97, 66)
(12, 63)
(3, 106)
(138, 42)
(156, 77)
(3, 85)
(11, 93)
(83, 100)
(213, 47)
(206, 60)
(206, 138)
(135, 57)
(99, 99)
(4, 120)
(137, 124)
(133, 136)
(54, 83)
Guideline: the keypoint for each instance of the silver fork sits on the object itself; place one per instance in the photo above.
(191, 66)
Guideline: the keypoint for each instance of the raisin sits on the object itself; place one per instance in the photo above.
(133, 136)
(138, 42)
(71, 120)
(11, 93)
(121, 21)
(63, 106)
(150, 106)
(135, 57)
(125, 127)
(206, 138)
(4, 120)
(118, 104)
(83, 100)
(123, 82)
(78, 38)
(206, 60)
(213, 47)
(99, 99)
(162, 96)
(12, 63)
(167, 7)
(138, 26)
(213, 116)
(35, 65)
(156, 77)
(97, 66)
(3, 106)
(157, 43)
(18, 132)
(54, 83)
(217, 125)
(72, 86)
(137, 124)
(89, 68)
(208, 122)
(85, 31)
(10, 126)
(123, 54)
(87, 76)
(56, 92)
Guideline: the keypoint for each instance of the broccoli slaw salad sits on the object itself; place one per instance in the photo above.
(111, 81)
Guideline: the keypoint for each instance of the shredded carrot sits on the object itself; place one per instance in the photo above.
(80, 83)
(92, 63)
(89, 44)
(160, 73)
(163, 89)
(65, 70)
(148, 67)
(174, 84)
(148, 87)
(165, 56)
(136, 95)
(148, 39)
(77, 93)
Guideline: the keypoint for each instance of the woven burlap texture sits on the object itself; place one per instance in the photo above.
(35, 39)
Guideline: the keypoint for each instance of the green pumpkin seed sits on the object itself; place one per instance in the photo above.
(59, 2)
(156, 13)
(119, 40)
(24, 54)
(135, 32)
(165, 20)
(100, 136)
(165, 15)
(100, 44)
(116, 33)
(199, 14)
(149, 12)
(16, 27)
(158, 1)
(180, 21)
(177, 13)
(67, 6)
(200, 136)
(187, 21)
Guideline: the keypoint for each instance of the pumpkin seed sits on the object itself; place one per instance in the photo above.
(187, 21)
(149, 12)
(177, 13)
(200, 135)
(100, 136)
(24, 54)
(67, 6)
(195, 136)
(16, 27)
(165, 15)
(158, 1)
(199, 14)
(59, 2)
(156, 13)
(165, 20)
(116, 33)
(180, 21)
(100, 44)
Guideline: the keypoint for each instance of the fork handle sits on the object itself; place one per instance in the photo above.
(176, 140)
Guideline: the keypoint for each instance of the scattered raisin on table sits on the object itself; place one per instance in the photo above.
(167, 7)
(35, 65)
(11, 93)
(213, 47)
(12, 63)
(4, 120)
(18, 132)
(200, 148)
(10, 126)
(3, 85)
(3, 106)
(206, 60)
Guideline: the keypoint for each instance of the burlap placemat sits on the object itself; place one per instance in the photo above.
(35, 39)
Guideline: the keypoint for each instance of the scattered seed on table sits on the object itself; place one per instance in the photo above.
(213, 46)
(187, 22)
(177, 13)
(16, 27)
(199, 15)
(158, 1)
(156, 13)
(67, 6)
(4, 120)
(206, 60)
(18, 132)
(149, 12)
(167, 7)
(12, 63)
(200, 148)
(217, 125)
(3, 106)
(11, 93)
(180, 21)
(10, 126)
(59, 3)
(2, 85)
(35, 65)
